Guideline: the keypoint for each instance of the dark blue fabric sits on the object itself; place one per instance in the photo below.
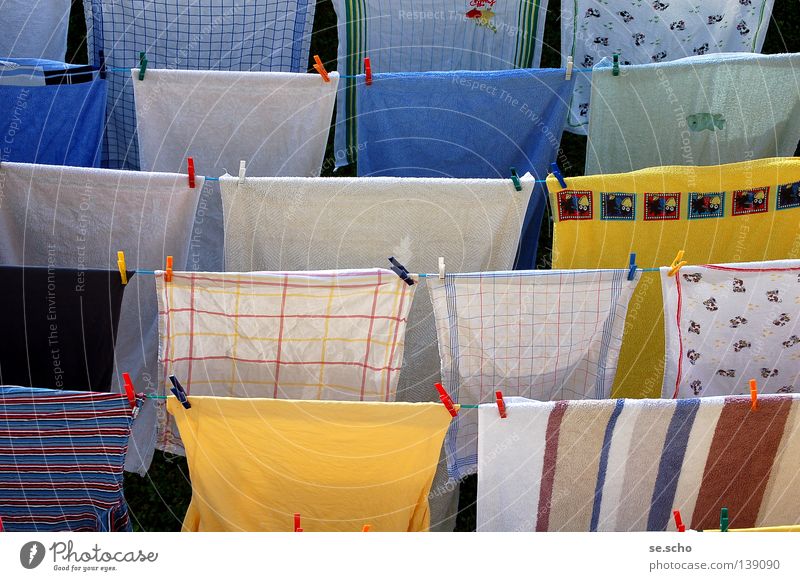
(54, 121)
(465, 124)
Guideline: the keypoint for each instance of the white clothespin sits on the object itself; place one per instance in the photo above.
(441, 268)
(569, 68)
(242, 172)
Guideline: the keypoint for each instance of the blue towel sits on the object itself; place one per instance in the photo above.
(51, 113)
(465, 124)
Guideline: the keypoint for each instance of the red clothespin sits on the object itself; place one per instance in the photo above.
(168, 273)
(190, 164)
(368, 70)
(1, 525)
(501, 405)
(679, 521)
(366, 528)
(297, 528)
(753, 395)
(129, 391)
(320, 68)
(446, 400)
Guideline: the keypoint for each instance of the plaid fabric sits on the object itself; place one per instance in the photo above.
(224, 35)
(327, 335)
(61, 460)
(547, 335)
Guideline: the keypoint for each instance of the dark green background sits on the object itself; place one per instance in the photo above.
(159, 500)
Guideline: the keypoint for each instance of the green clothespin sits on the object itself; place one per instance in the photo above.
(615, 70)
(142, 65)
(723, 520)
(515, 179)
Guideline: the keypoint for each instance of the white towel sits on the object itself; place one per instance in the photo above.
(729, 323)
(80, 218)
(547, 335)
(705, 110)
(34, 29)
(653, 31)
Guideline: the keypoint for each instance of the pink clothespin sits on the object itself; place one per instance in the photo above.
(679, 521)
(501, 405)
(190, 164)
(368, 70)
(446, 400)
(129, 391)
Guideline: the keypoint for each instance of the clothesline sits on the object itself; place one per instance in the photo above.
(433, 275)
(149, 396)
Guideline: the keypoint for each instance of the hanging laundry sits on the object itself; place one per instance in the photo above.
(277, 122)
(235, 35)
(653, 32)
(34, 29)
(79, 218)
(443, 35)
(59, 326)
(655, 213)
(334, 335)
(549, 335)
(53, 112)
(61, 457)
(702, 110)
(256, 462)
(624, 465)
(729, 323)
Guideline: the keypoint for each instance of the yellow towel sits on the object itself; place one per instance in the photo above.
(341, 465)
(594, 231)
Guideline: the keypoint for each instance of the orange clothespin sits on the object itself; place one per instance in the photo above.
(123, 270)
(368, 70)
(320, 68)
(366, 528)
(190, 166)
(446, 400)
(297, 527)
(129, 391)
(501, 405)
(677, 264)
(168, 273)
(679, 521)
(753, 395)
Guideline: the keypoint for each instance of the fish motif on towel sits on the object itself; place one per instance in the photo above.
(702, 121)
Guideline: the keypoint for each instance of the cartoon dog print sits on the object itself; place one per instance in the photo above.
(782, 320)
(767, 373)
(660, 5)
(711, 304)
(603, 40)
(583, 109)
(741, 344)
(693, 277)
(659, 56)
(678, 25)
(742, 28)
(626, 16)
(638, 39)
(772, 296)
(692, 356)
(738, 285)
(736, 321)
(726, 372)
(592, 12)
(588, 60)
(697, 386)
(714, 18)
(786, 389)
(792, 341)
(694, 327)
(702, 49)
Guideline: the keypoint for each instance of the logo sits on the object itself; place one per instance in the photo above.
(31, 554)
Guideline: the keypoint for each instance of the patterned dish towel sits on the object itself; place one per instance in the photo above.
(548, 335)
(624, 465)
(335, 335)
(61, 459)
(653, 32)
(729, 323)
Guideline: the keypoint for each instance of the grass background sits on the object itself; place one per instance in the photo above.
(159, 500)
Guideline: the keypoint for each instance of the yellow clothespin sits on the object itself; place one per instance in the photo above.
(753, 395)
(677, 264)
(123, 270)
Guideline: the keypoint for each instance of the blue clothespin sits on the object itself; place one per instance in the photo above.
(178, 391)
(556, 171)
(515, 179)
(632, 266)
(102, 56)
(615, 70)
(401, 271)
(142, 65)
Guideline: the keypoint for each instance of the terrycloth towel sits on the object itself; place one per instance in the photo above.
(52, 115)
(79, 218)
(729, 323)
(61, 457)
(34, 29)
(277, 122)
(429, 35)
(624, 465)
(465, 124)
(335, 335)
(341, 465)
(59, 326)
(702, 110)
(547, 334)
(653, 32)
(655, 213)
(221, 35)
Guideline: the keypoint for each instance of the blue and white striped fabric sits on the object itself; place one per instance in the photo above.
(544, 335)
(219, 35)
(61, 460)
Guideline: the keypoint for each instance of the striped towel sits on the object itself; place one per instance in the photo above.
(61, 460)
(624, 465)
(548, 335)
(327, 335)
